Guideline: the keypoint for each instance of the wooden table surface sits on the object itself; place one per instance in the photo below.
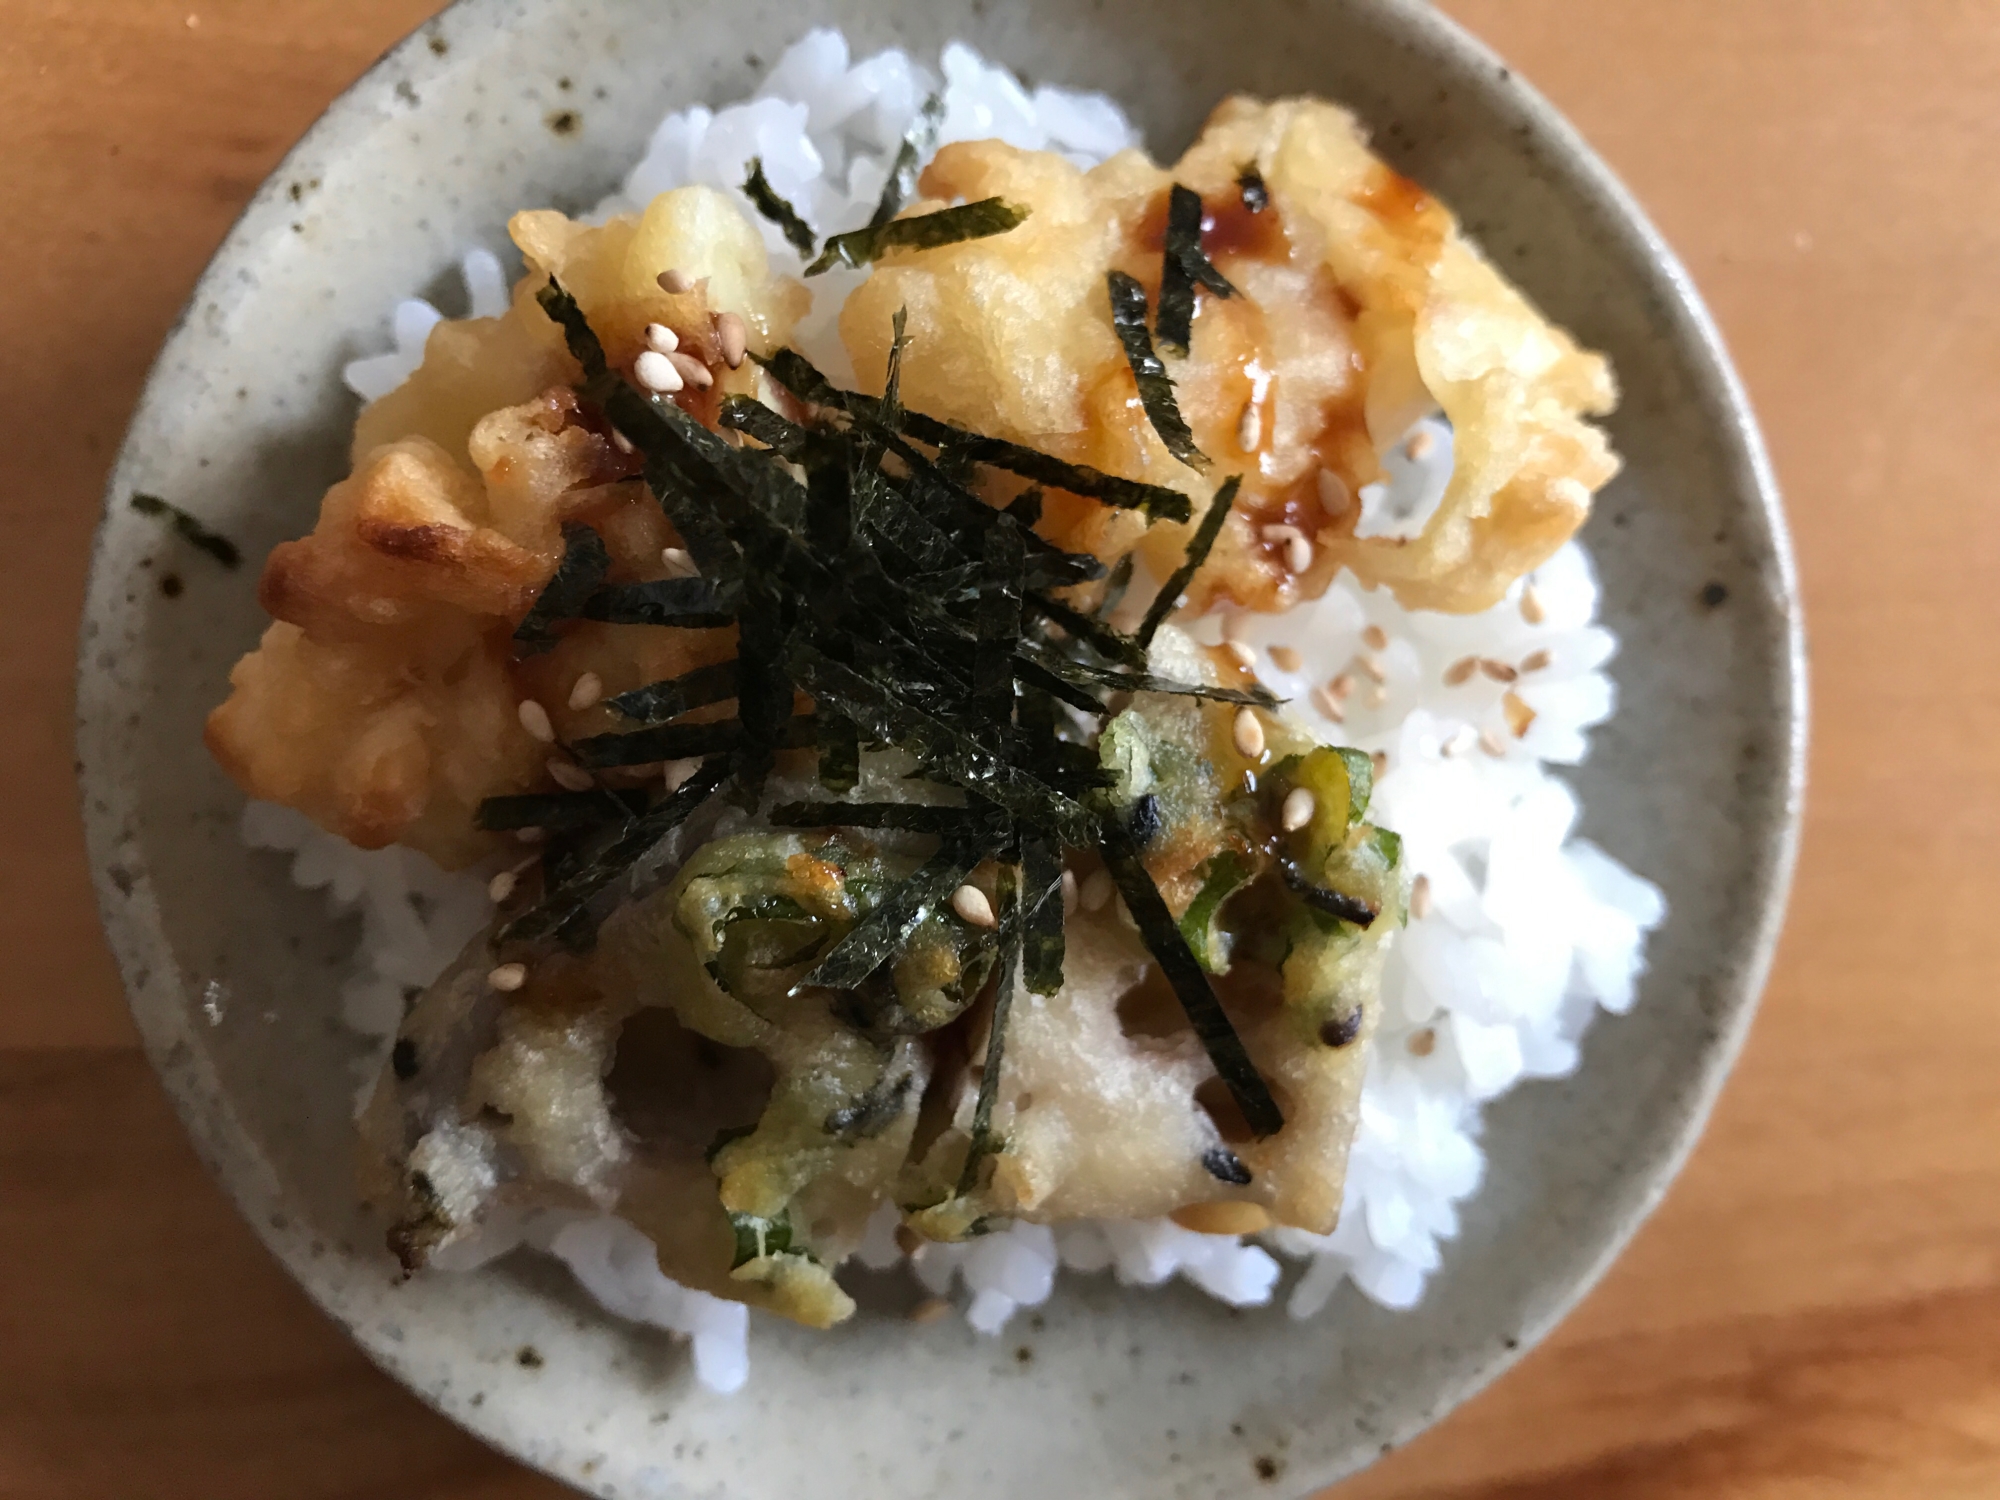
(1814, 1312)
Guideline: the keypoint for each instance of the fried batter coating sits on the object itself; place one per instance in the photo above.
(1361, 309)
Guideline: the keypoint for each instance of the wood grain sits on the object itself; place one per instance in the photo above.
(1816, 1310)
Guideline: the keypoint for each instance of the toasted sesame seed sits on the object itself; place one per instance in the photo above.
(972, 906)
(1460, 672)
(1492, 744)
(1532, 609)
(1286, 658)
(1300, 805)
(1372, 667)
(1375, 638)
(657, 373)
(1377, 696)
(1248, 734)
(1245, 657)
(508, 977)
(1420, 897)
(535, 719)
(678, 562)
(1460, 742)
(692, 370)
(734, 338)
(1096, 890)
(569, 777)
(1069, 893)
(1334, 497)
(1342, 686)
(675, 283)
(929, 1310)
(661, 339)
(501, 886)
(1380, 761)
(1423, 1043)
(587, 690)
(1420, 445)
(1298, 555)
(1328, 705)
(530, 835)
(1499, 671)
(1519, 716)
(1537, 661)
(675, 772)
(1250, 428)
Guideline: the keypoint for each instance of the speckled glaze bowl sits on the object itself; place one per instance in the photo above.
(503, 104)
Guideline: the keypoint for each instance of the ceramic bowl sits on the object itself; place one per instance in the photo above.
(1107, 1393)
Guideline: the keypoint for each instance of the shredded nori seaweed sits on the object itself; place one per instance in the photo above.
(947, 226)
(1184, 267)
(1169, 597)
(582, 569)
(1156, 387)
(657, 702)
(1250, 184)
(191, 531)
(917, 143)
(757, 188)
(1225, 1165)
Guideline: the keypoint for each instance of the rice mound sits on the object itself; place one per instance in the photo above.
(1525, 932)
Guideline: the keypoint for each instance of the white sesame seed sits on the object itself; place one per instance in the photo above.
(1537, 661)
(1492, 744)
(535, 719)
(1377, 696)
(530, 835)
(1244, 656)
(569, 777)
(1372, 667)
(1300, 805)
(1380, 761)
(501, 886)
(508, 977)
(1277, 532)
(675, 772)
(1375, 638)
(1234, 623)
(1420, 897)
(1499, 671)
(1250, 428)
(692, 370)
(1421, 442)
(1460, 742)
(588, 689)
(734, 338)
(970, 902)
(656, 372)
(1460, 672)
(1298, 555)
(1248, 734)
(678, 562)
(1286, 658)
(1342, 687)
(1328, 705)
(661, 339)
(1334, 498)
(622, 442)
(1096, 892)
(1532, 609)
(675, 283)
(1069, 893)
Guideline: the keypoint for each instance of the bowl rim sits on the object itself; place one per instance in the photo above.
(1717, 391)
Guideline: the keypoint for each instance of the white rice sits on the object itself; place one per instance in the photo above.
(1529, 931)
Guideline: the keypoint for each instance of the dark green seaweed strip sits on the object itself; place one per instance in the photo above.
(889, 410)
(1250, 184)
(1115, 587)
(909, 817)
(996, 1032)
(568, 899)
(1033, 675)
(557, 810)
(839, 752)
(690, 603)
(796, 374)
(1169, 597)
(657, 702)
(999, 631)
(917, 144)
(1211, 1023)
(881, 934)
(1156, 387)
(947, 226)
(1085, 675)
(582, 569)
(1183, 268)
(582, 339)
(681, 742)
(746, 414)
(757, 188)
(1109, 643)
(1042, 923)
(191, 531)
